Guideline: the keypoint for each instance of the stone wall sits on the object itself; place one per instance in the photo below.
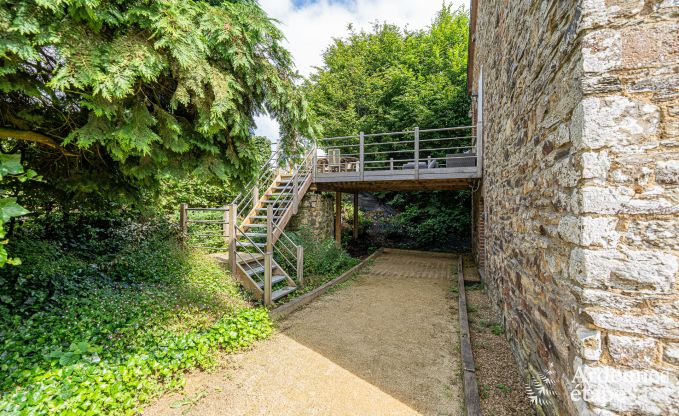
(581, 193)
(316, 213)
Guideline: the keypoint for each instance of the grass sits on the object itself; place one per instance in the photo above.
(504, 388)
(102, 330)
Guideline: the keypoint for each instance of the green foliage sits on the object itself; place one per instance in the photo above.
(322, 258)
(323, 261)
(391, 79)
(429, 220)
(11, 170)
(106, 97)
(100, 328)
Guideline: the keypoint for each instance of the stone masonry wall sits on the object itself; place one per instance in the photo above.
(581, 193)
(316, 213)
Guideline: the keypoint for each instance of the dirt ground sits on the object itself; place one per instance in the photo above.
(385, 343)
(501, 388)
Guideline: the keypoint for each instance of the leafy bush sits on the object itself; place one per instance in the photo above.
(322, 258)
(99, 327)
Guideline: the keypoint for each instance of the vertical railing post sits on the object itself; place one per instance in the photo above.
(300, 265)
(184, 222)
(361, 151)
(391, 163)
(417, 153)
(225, 225)
(268, 254)
(295, 192)
(314, 162)
(255, 196)
(233, 238)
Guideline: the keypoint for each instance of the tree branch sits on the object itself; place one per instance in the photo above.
(33, 136)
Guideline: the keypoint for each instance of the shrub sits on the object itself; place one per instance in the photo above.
(322, 258)
(91, 327)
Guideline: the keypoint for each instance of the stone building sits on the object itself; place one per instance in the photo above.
(577, 216)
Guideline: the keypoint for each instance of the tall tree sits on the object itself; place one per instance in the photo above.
(108, 95)
(392, 79)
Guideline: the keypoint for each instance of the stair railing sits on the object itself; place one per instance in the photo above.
(292, 254)
(300, 174)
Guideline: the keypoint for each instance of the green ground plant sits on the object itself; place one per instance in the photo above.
(92, 326)
(323, 261)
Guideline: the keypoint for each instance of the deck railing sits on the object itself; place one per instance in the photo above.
(409, 151)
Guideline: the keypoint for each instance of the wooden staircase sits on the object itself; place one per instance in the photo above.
(265, 260)
(259, 232)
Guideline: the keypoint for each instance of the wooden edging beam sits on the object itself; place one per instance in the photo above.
(428, 253)
(471, 389)
(289, 307)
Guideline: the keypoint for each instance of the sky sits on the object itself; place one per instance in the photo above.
(310, 26)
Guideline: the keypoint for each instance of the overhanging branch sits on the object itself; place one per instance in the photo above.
(33, 136)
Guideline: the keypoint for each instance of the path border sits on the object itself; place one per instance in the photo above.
(443, 254)
(289, 307)
(471, 389)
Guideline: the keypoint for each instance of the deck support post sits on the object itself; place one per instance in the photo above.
(184, 221)
(355, 230)
(417, 153)
(338, 219)
(361, 150)
(233, 215)
(268, 254)
(300, 265)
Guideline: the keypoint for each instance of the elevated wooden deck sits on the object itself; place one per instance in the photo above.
(413, 160)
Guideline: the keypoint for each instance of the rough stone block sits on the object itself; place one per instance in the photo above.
(589, 341)
(632, 351)
(658, 321)
(627, 390)
(640, 271)
(595, 165)
(652, 234)
(667, 172)
(601, 51)
(624, 200)
(671, 353)
(589, 231)
(601, 12)
(616, 122)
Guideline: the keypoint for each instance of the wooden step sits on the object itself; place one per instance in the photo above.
(244, 258)
(254, 270)
(256, 234)
(277, 294)
(274, 281)
(249, 244)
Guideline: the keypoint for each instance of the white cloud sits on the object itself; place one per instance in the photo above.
(309, 29)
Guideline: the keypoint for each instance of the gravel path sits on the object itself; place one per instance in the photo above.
(386, 344)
